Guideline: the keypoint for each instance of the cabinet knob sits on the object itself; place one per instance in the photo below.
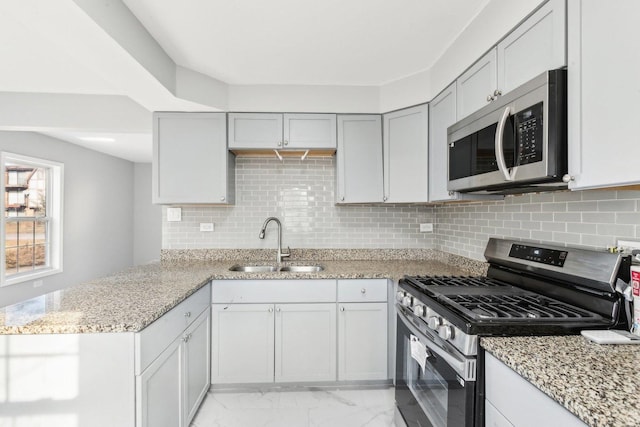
(187, 314)
(270, 309)
(286, 142)
(452, 144)
(342, 199)
(497, 93)
(278, 309)
(185, 338)
(279, 143)
(490, 98)
(384, 199)
(568, 178)
(342, 308)
(222, 199)
(451, 193)
(363, 291)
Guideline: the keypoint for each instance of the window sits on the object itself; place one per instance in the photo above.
(32, 223)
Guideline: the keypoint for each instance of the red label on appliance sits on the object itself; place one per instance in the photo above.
(635, 281)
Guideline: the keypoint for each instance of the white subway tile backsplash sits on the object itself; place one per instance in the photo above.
(301, 194)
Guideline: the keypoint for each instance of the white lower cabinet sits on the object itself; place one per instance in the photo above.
(196, 352)
(513, 401)
(305, 338)
(291, 331)
(242, 343)
(362, 341)
(261, 343)
(159, 390)
(171, 387)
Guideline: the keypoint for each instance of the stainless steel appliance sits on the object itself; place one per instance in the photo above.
(516, 144)
(530, 289)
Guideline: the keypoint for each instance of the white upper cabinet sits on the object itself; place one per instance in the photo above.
(603, 93)
(282, 131)
(310, 131)
(406, 146)
(191, 164)
(442, 112)
(359, 176)
(476, 86)
(255, 130)
(536, 45)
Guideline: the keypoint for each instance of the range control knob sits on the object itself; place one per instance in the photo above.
(400, 295)
(434, 322)
(419, 310)
(446, 332)
(407, 301)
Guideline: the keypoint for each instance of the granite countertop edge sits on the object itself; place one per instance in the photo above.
(130, 300)
(586, 378)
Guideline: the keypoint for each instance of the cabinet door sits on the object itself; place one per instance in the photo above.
(536, 45)
(305, 342)
(603, 93)
(197, 362)
(442, 111)
(310, 131)
(242, 343)
(359, 159)
(158, 390)
(406, 164)
(191, 163)
(476, 84)
(362, 341)
(255, 130)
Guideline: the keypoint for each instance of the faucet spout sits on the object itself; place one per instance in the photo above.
(263, 230)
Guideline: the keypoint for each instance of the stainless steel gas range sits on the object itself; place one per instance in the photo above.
(530, 289)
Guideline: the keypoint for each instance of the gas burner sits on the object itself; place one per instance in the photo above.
(463, 281)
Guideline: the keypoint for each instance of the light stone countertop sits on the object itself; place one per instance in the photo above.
(598, 383)
(130, 300)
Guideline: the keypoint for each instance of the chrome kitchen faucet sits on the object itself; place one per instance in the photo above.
(280, 254)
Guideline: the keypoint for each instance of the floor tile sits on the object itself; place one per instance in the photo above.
(293, 408)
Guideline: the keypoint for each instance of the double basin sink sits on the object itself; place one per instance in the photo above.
(273, 268)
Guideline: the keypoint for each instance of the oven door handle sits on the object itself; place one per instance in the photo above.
(499, 147)
(463, 367)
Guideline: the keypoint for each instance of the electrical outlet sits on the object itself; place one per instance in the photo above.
(626, 246)
(426, 228)
(206, 226)
(174, 214)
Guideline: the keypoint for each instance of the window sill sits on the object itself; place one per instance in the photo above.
(25, 277)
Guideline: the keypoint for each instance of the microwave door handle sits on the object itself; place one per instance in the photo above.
(502, 164)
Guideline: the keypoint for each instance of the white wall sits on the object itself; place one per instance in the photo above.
(98, 212)
(147, 218)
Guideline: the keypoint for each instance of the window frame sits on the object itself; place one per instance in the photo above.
(54, 214)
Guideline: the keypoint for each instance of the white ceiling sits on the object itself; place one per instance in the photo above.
(309, 42)
(62, 48)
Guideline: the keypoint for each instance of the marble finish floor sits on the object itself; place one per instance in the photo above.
(313, 408)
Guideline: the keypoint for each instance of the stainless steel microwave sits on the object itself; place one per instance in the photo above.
(516, 144)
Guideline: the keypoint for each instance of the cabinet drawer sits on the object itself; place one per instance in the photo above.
(362, 290)
(267, 291)
(153, 339)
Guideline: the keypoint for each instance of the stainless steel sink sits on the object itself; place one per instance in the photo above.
(273, 268)
(254, 268)
(302, 268)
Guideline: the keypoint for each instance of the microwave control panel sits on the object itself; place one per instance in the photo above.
(529, 127)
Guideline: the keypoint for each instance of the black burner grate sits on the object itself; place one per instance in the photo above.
(466, 281)
(529, 307)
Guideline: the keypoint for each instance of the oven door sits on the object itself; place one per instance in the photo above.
(438, 395)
